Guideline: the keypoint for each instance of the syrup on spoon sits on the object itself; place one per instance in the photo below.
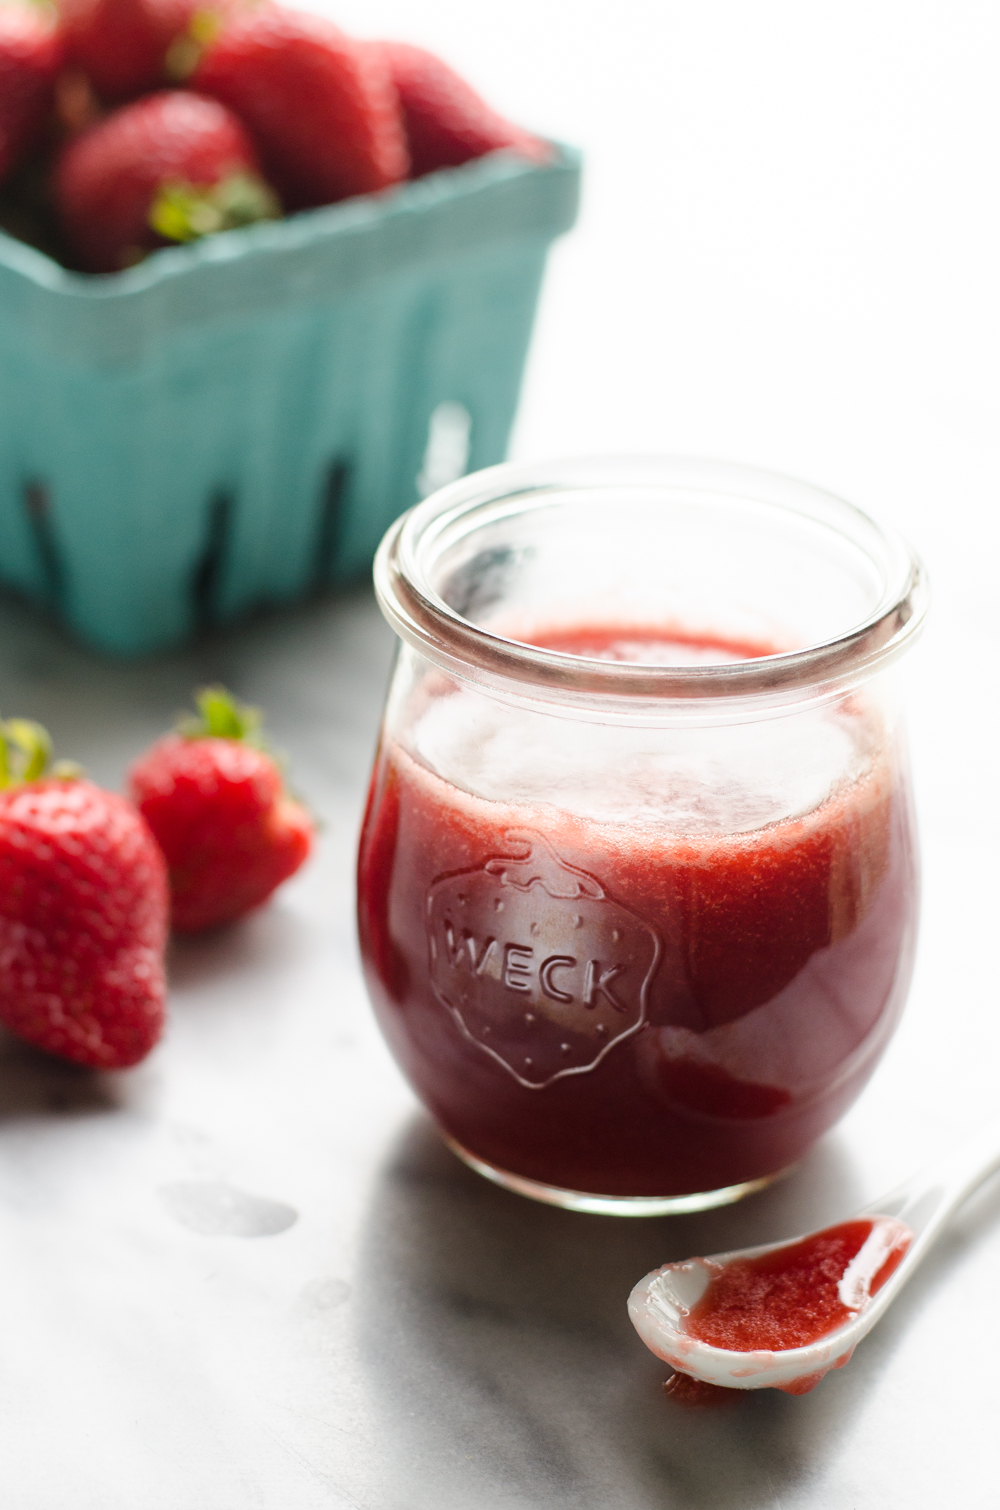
(781, 1316)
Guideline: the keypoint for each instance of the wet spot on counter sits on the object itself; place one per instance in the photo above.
(216, 1209)
(325, 1294)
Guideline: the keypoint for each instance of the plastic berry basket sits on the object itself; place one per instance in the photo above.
(235, 423)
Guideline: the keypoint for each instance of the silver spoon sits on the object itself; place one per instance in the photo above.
(923, 1204)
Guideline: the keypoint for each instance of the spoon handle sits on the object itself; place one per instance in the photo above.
(927, 1199)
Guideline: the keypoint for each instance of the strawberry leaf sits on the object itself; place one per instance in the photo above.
(223, 717)
(25, 752)
(184, 52)
(184, 212)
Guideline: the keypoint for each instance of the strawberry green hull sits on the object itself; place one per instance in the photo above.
(235, 423)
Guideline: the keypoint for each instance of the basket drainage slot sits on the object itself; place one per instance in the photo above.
(206, 580)
(38, 508)
(332, 519)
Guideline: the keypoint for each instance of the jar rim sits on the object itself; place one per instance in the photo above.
(423, 619)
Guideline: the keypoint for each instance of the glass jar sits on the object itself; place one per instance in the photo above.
(638, 875)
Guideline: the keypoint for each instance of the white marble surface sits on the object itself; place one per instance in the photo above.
(788, 256)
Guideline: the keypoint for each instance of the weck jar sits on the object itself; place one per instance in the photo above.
(638, 881)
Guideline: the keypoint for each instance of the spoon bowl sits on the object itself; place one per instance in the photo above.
(909, 1220)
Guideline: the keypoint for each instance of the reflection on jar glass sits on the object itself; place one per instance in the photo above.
(638, 876)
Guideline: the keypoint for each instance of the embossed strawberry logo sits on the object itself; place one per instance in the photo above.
(537, 964)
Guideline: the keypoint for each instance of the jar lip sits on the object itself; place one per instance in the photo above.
(422, 618)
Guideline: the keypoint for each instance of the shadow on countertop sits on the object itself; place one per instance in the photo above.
(501, 1353)
(33, 1084)
(505, 1372)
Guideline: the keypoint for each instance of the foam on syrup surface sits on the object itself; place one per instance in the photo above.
(690, 782)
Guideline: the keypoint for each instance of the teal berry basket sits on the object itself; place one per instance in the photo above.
(235, 423)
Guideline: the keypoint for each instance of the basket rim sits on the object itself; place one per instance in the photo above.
(414, 197)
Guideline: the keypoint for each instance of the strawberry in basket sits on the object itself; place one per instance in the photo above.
(214, 798)
(303, 116)
(320, 106)
(172, 166)
(121, 45)
(83, 911)
(31, 54)
(129, 47)
(446, 121)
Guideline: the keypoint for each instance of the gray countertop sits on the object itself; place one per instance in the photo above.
(247, 1273)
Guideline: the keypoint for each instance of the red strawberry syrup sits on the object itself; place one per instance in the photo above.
(796, 1295)
(624, 1005)
(790, 1298)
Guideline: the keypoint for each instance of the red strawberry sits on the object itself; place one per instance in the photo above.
(83, 913)
(216, 802)
(446, 121)
(320, 105)
(31, 54)
(122, 45)
(170, 167)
